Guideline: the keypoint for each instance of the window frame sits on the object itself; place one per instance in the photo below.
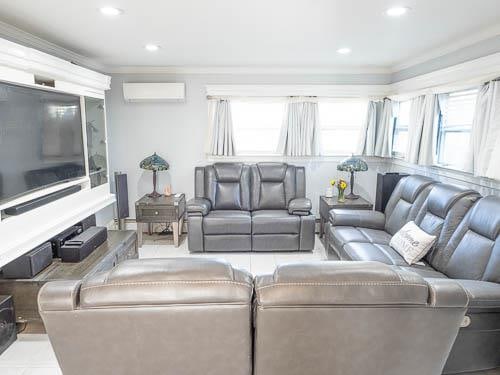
(398, 128)
(443, 129)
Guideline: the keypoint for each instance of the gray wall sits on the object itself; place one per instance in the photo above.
(177, 132)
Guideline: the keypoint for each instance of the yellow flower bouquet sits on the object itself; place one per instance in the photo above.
(341, 186)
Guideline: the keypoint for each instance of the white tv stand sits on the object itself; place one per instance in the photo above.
(19, 234)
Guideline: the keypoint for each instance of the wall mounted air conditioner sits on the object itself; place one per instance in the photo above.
(154, 92)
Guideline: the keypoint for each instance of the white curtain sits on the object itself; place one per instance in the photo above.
(422, 129)
(300, 129)
(220, 138)
(383, 137)
(369, 131)
(484, 158)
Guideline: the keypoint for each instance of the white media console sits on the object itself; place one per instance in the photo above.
(28, 67)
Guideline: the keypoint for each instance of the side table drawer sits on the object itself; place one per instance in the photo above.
(152, 213)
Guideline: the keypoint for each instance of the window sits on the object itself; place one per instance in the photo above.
(256, 126)
(340, 123)
(454, 128)
(400, 133)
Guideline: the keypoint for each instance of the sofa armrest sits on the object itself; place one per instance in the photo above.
(357, 218)
(482, 294)
(198, 207)
(300, 206)
(59, 296)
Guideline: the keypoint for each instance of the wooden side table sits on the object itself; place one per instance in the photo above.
(327, 204)
(164, 209)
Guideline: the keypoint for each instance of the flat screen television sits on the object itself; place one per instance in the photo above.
(41, 139)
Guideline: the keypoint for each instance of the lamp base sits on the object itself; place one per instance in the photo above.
(154, 194)
(351, 196)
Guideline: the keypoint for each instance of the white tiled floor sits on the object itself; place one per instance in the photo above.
(33, 355)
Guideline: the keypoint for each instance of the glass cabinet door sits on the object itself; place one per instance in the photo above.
(96, 141)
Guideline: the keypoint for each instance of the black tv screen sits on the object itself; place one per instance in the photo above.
(41, 140)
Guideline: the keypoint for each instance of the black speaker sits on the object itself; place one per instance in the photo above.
(58, 240)
(38, 202)
(8, 331)
(386, 182)
(121, 190)
(30, 264)
(81, 246)
(87, 222)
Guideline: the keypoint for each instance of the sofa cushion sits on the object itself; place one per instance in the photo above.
(275, 222)
(227, 222)
(372, 252)
(339, 236)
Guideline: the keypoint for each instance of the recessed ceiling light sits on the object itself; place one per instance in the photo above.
(397, 11)
(110, 11)
(344, 51)
(152, 47)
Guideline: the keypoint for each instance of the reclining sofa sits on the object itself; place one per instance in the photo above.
(259, 207)
(467, 250)
(200, 316)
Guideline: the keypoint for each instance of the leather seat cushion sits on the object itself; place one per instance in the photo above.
(372, 252)
(425, 270)
(227, 222)
(344, 235)
(275, 222)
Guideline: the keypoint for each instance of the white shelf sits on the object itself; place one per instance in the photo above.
(21, 233)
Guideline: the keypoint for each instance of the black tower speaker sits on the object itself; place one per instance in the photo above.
(121, 190)
(385, 186)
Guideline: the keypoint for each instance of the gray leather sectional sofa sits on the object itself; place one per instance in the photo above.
(200, 316)
(240, 207)
(467, 250)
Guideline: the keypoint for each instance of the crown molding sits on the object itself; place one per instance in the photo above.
(470, 73)
(344, 91)
(247, 70)
(447, 48)
(24, 38)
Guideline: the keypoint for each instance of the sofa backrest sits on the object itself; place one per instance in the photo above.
(226, 185)
(473, 251)
(159, 316)
(442, 212)
(344, 317)
(406, 201)
(274, 185)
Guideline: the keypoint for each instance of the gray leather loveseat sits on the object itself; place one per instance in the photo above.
(259, 207)
(467, 250)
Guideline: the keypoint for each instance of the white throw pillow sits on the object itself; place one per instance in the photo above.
(412, 243)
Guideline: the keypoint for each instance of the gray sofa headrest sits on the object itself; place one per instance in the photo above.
(443, 196)
(167, 281)
(228, 172)
(485, 217)
(413, 186)
(272, 172)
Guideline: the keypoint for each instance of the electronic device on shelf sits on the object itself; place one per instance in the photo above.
(81, 246)
(30, 264)
(59, 240)
(8, 331)
(87, 222)
(38, 202)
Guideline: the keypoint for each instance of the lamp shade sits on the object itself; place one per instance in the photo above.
(154, 163)
(353, 164)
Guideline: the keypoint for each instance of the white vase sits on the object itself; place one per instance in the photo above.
(329, 192)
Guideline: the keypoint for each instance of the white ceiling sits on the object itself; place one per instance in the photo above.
(262, 33)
